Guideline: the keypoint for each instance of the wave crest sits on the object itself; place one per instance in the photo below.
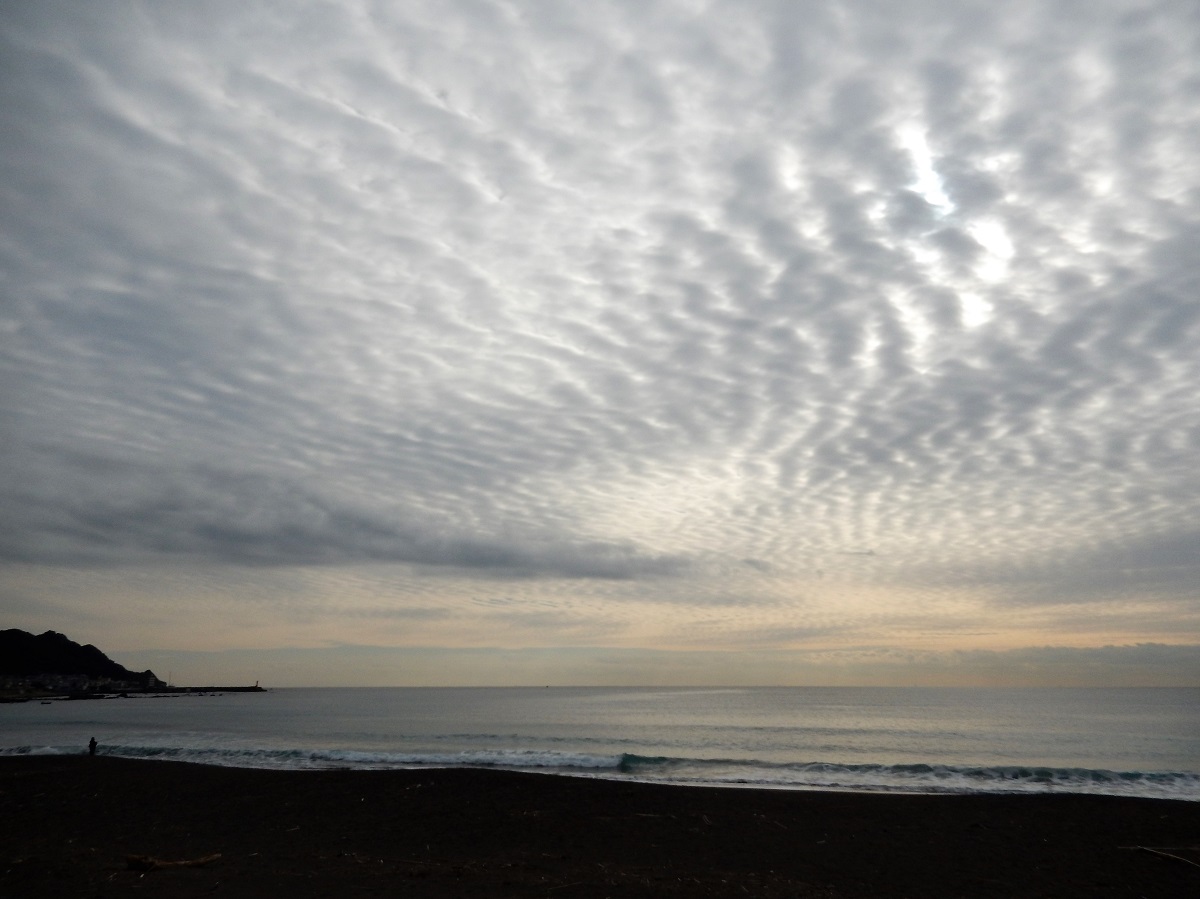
(909, 778)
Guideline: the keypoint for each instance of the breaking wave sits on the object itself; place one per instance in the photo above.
(875, 778)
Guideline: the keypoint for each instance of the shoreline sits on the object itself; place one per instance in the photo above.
(160, 693)
(930, 780)
(70, 824)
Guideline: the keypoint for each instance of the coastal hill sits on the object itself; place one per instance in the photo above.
(50, 665)
(54, 658)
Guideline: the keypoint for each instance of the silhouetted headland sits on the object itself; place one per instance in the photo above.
(51, 666)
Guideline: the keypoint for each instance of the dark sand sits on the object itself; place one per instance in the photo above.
(67, 826)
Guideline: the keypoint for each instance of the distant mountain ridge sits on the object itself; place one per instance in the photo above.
(23, 654)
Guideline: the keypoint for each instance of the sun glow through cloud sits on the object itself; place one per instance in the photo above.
(928, 183)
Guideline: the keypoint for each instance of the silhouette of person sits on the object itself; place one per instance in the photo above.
(92, 746)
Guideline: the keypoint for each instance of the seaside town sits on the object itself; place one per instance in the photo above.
(16, 688)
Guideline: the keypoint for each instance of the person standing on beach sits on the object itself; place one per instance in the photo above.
(92, 746)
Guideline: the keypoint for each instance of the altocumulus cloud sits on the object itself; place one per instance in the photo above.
(716, 325)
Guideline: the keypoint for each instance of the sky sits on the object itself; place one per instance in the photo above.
(654, 342)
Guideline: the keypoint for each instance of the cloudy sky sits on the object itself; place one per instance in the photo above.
(505, 341)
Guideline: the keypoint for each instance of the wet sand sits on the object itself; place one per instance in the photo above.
(69, 826)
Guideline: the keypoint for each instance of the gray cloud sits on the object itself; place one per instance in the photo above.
(615, 291)
(262, 519)
(1142, 664)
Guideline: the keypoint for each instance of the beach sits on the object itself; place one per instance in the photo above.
(80, 826)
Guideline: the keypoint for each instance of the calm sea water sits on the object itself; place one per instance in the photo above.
(1139, 742)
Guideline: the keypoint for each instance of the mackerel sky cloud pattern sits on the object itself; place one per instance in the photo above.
(848, 333)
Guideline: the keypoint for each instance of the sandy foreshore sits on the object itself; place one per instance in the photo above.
(69, 826)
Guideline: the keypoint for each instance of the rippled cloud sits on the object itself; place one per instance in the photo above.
(679, 325)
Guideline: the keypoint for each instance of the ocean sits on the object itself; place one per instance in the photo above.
(1126, 742)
